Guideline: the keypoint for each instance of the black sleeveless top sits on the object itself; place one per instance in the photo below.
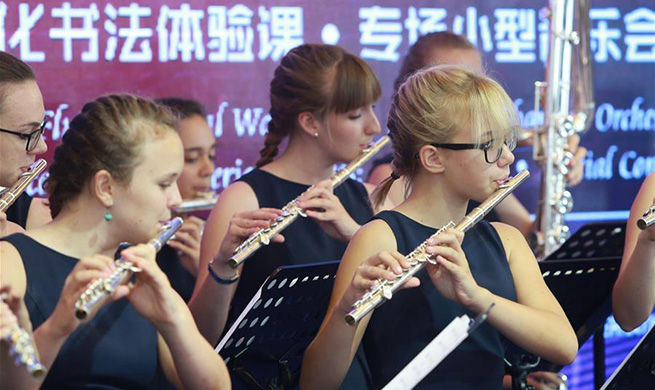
(305, 241)
(117, 349)
(182, 281)
(402, 327)
(17, 212)
(492, 216)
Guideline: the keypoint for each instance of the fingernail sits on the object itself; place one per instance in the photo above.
(398, 269)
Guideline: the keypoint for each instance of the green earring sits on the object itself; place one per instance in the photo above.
(108, 216)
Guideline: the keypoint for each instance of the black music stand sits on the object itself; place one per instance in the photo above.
(638, 369)
(581, 275)
(265, 345)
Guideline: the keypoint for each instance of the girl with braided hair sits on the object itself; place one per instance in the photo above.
(112, 180)
(322, 108)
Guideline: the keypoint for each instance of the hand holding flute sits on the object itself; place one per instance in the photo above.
(14, 325)
(102, 288)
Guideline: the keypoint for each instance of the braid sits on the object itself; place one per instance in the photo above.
(108, 134)
(272, 142)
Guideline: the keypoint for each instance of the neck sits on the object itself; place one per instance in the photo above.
(303, 161)
(79, 230)
(432, 204)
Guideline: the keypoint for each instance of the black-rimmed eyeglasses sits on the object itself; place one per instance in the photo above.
(32, 137)
(492, 152)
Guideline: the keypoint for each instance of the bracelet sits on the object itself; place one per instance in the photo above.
(218, 279)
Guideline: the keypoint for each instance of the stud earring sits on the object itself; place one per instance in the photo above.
(316, 135)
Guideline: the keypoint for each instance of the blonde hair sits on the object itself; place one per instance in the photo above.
(436, 103)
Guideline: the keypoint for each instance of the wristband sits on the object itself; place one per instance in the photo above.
(218, 279)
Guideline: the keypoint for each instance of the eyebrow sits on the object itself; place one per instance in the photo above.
(169, 176)
(30, 125)
(199, 148)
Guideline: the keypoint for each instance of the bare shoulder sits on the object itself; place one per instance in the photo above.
(238, 196)
(379, 173)
(512, 239)
(369, 187)
(373, 237)
(13, 271)
(39, 213)
(647, 190)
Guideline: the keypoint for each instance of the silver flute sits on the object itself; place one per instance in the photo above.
(291, 211)
(8, 196)
(101, 289)
(383, 289)
(23, 350)
(204, 201)
(647, 219)
(21, 344)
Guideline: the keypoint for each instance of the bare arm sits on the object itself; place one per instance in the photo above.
(51, 335)
(513, 213)
(536, 322)
(633, 296)
(328, 358)
(235, 216)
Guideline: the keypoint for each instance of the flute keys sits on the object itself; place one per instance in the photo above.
(386, 292)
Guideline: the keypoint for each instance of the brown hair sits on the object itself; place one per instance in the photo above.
(433, 105)
(418, 54)
(183, 108)
(319, 79)
(108, 134)
(12, 71)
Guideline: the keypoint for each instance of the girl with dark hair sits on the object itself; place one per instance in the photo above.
(112, 180)
(22, 122)
(179, 259)
(453, 131)
(322, 107)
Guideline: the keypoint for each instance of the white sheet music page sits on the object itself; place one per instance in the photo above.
(432, 355)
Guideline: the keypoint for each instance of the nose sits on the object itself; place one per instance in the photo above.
(373, 125)
(208, 167)
(506, 157)
(174, 198)
(41, 147)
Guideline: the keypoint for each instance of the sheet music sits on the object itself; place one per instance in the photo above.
(442, 345)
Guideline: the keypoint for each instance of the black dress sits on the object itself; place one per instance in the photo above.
(17, 212)
(181, 280)
(305, 243)
(402, 327)
(117, 349)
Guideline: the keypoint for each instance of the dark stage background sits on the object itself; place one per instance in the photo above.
(224, 55)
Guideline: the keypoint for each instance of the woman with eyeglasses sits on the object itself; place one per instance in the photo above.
(447, 48)
(22, 122)
(440, 119)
